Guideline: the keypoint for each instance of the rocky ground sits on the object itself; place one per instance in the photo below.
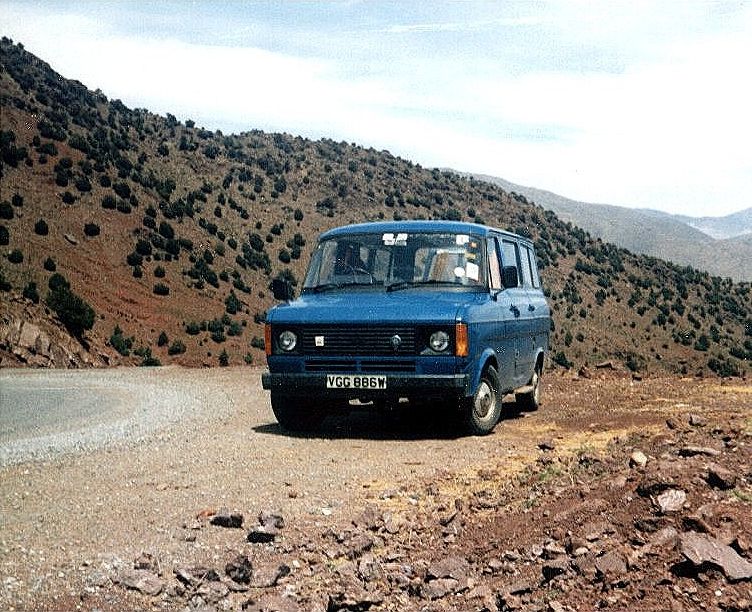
(617, 494)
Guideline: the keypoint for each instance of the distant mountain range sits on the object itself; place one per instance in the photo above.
(719, 245)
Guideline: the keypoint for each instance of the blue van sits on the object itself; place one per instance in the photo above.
(437, 313)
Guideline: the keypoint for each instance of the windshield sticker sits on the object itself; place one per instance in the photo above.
(473, 271)
(459, 271)
(392, 240)
(462, 239)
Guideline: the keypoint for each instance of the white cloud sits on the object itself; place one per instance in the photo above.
(668, 133)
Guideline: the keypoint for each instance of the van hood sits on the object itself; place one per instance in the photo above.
(408, 305)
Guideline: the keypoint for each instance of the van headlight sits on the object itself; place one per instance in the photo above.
(287, 341)
(439, 341)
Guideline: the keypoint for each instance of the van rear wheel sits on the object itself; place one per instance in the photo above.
(530, 401)
(296, 413)
(483, 410)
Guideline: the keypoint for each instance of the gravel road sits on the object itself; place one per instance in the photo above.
(115, 462)
(101, 466)
(44, 413)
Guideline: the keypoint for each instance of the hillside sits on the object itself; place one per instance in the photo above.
(722, 245)
(171, 233)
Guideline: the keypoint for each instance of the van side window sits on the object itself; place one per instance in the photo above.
(533, 267)
(494, 267)
(526, 280)
(509, 255)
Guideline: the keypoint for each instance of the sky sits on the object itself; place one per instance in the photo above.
(639, 104)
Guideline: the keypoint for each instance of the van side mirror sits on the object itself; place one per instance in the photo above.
(509, 277)
(282, 290)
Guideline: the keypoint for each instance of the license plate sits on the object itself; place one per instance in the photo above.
(348, 381)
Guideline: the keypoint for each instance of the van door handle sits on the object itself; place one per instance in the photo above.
(530, 307)
(515, 310)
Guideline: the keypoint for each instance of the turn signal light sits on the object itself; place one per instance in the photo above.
(268, 339)
(461, 344)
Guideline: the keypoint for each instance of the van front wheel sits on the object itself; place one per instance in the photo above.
(483, 410)
(296, 413)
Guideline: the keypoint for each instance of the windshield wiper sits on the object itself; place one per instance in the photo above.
(328, 286)
(396, 286)
(325, 287)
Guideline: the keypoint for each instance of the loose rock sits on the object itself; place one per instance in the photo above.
(144, 581)
(720, 477)
(671, 500)
(554, 568)
(700, 549)
(638, 459)
(240, 569)
(225, 518)
(691, 451)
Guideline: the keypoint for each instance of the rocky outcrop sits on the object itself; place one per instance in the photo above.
(28, 339)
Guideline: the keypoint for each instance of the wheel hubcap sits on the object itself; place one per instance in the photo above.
(484, 401)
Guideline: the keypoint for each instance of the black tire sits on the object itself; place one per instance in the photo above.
(483, 410)
(529, 402)
(296, 413)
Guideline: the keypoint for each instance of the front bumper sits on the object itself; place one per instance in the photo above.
(398, 385)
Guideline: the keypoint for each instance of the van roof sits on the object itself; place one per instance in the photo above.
(385, 227)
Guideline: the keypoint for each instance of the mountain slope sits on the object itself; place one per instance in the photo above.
(172, 233)
(676, 238)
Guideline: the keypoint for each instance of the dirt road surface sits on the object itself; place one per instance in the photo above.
(360, 509)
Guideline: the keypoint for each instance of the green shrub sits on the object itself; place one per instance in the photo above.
(4, 235)
(161, 289)
(120, 343)
(134, 259)
(232, 303)
(15, 256)
(192, 328)
(91, 230)
(235, 329)
(73, 311)
(149, 360)
(176, 348)
(143, 247)
(122, 190)
(162, 340)
(258, 343)
(58, 281)
(224, 358)
(6, 210)
(159, 272)
(41, 228)
(68, 198)
(30, 292)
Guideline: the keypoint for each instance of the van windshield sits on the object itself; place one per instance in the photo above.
(397, 260)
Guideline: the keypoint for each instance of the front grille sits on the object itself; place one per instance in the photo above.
(379, 366)
(331, 366)
(397, 365)
(366, 340)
